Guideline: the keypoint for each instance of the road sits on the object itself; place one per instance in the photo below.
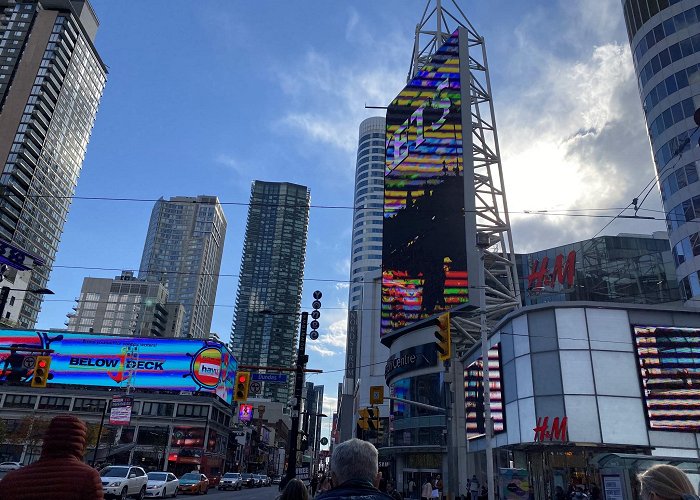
(266, 493)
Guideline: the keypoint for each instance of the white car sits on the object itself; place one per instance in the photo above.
(162, 484)
(10, 466)
(122, 481)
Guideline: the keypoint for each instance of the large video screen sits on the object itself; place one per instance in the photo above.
(669, 364)
(424, 258)
(474, 394)
(113, 361)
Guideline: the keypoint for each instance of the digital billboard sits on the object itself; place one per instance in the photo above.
(424, 258)
(669, 364)
(114, 361)
(474, 394)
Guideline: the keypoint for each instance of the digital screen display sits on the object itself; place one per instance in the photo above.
(424, 258)
(114, 361)
(474, 394)
(669, 364)
(245, 413)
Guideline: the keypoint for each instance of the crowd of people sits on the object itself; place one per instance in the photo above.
(354, 475)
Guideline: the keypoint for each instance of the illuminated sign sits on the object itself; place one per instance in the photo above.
(669, 363)
(114, 361)
(474, 395)
(424, 257)
(540, 276)
(545, 432)
(245, 413)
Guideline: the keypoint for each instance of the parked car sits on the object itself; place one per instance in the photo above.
(162, 484)
(10, 465)
(122, 481)
(258, 480)
(276, 480)
(248, 480)
(266, 480)
(194, 482)
(231, 481)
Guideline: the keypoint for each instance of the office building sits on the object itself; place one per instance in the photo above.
(124, 306)
(627, 268)
(268, 303)
(183, 250)
(664, 37)
(51, 82)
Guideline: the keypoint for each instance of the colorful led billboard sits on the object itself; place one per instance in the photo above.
(474, 394)
(424, 258)
(113, 361)
(669, 363)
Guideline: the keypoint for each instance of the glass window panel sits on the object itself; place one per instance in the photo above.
(680, 177)
(659, 32)
(677, 111)
(665, 58)
(691, 173)
(675, 51)
(669, 27)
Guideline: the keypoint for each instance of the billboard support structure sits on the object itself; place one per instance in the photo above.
(486, 196)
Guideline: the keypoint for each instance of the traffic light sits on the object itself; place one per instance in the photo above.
(442, 334)
(373, 415)
(363, 421)
(242, 384)
(41, 371)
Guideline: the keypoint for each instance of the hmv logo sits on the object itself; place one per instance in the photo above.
(209, 370)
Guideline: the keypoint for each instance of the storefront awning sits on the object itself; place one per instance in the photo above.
(643, 462)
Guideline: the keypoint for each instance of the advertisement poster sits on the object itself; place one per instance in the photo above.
(612, 485)
(83, 359)
(515, 484)
(424, 255)
(474, 394)
(245, 413)
(120, 412)
(669, 364)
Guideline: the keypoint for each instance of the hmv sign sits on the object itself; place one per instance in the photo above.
(557, 275)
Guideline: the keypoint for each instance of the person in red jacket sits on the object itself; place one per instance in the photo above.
(60, 473)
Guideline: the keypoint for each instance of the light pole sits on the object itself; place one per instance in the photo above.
(483, 241)
(5, 294)
(99, 435)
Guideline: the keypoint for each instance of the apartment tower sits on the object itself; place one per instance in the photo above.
(51, 82)
(268, 303)
(183, 250)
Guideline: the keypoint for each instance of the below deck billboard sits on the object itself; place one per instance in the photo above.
(116, 361)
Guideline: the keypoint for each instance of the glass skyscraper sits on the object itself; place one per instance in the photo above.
(664, 37)
(51, 82)
(268, 303)
(183, 249)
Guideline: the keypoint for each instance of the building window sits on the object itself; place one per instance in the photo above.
(158, 409)
(192, 411)
(19, 401)
(54, 403)
(89, 405)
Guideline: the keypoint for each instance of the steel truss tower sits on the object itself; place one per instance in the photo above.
(481, 152)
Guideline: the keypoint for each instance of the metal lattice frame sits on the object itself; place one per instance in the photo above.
(490, 205)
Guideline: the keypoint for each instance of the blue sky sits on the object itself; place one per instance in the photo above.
(205, 97)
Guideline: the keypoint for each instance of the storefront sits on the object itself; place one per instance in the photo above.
(574, 385)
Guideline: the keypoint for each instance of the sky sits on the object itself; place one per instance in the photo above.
(205, 97)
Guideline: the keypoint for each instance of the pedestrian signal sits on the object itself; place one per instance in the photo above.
(242, 384)
(41, 371)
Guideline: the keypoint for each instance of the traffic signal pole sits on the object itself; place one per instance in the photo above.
(296, 408)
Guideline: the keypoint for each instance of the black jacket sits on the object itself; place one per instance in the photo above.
(354, 490)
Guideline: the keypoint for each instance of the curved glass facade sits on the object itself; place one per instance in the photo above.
(665, 41)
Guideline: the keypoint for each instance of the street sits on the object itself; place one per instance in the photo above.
(265, 493)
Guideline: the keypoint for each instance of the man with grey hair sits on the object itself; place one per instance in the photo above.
(354, 472)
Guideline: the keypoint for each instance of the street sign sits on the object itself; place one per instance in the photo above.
(28, 362)
(255, 387)
(324, 441)
(120, 413)
(280, 378)
(303, 472)
(376, 395)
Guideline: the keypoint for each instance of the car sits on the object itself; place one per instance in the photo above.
(276, 480)
(122, 481)
(162, 484)
(248, 480)
(194, 482)
(267, 480)
(231, 481)
(259, 481)
(10, 466)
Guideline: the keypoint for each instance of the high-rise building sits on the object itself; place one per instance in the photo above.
(183, 250)
(368, 212)
(51, 82)
(664, 37)
(124, 305)
(268, 302)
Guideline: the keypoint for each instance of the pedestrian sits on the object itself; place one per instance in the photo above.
(438, 485)
(663, 482)
(427, 490)
(354, 472)
(579, 493)
(382, 483)
(60, 472)
(411, 489)
(393, 492)
(294, 490)
(314, 485)
(473, 488)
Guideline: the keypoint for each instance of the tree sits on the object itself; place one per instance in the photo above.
(30, 432)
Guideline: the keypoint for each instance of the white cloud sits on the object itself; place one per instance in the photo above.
(332, 339)
(342, 285)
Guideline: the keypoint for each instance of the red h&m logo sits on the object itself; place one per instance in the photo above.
(540, 277)
(544, 433)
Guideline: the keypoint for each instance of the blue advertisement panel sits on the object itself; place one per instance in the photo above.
(113, 361)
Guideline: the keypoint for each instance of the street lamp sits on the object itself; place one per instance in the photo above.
(5, 294)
